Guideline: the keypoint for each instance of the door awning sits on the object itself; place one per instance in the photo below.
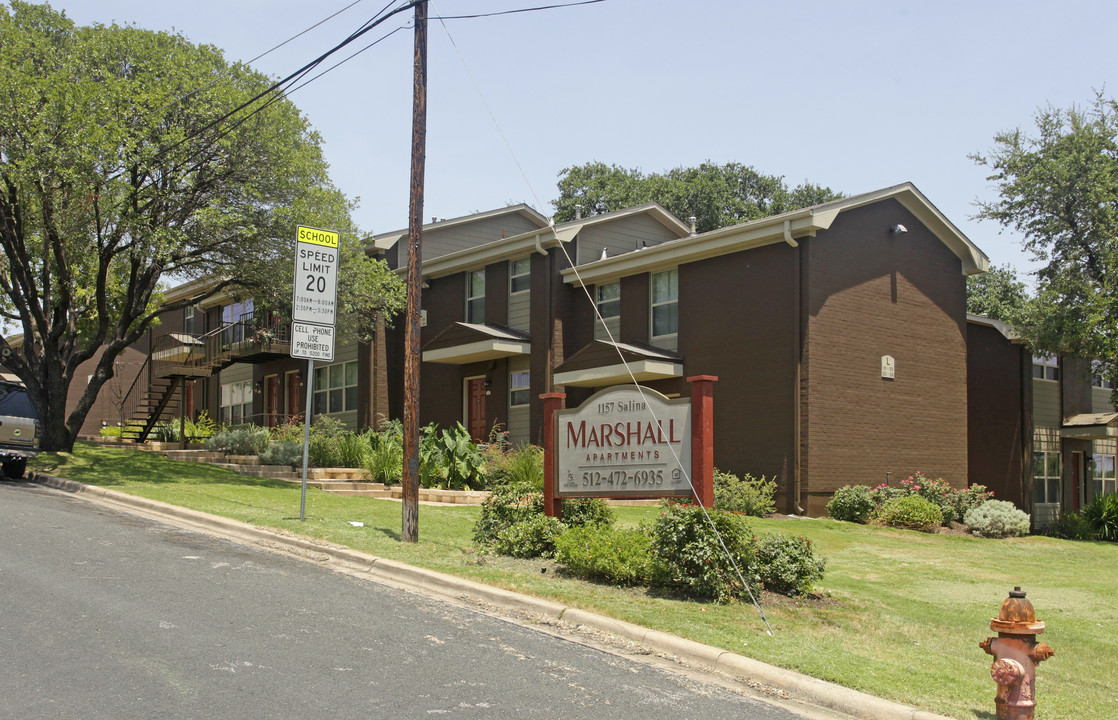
(1091, 426)
(460, 343)
(603, 363)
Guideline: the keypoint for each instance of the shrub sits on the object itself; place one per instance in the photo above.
(586, 511)
(997, 519)
(602, 552)
(352, 449)
(522, 465)
(1071, 526)
(689, 556)
(461, 464)
(910, 511)
(385, 462)
(748, 495)
(970, 498)
(507, 504)
(788, 565)
(852, 503)
(110, 431)
(1102, 514)
(283, 453)
(529, 538)
(241, 440)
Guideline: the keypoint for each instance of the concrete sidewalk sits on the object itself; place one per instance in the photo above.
(737, 668)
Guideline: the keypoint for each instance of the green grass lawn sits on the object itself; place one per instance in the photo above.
(901, 616)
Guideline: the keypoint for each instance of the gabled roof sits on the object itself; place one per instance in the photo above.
(461, 342)
(542, 239)
(384, 241)
(785, 227)
(603, 362)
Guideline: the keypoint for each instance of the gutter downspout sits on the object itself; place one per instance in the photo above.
(797, 402)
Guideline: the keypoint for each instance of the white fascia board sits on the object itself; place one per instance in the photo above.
(477, 351)
(504, 249)
(673, 253)
(642, 370)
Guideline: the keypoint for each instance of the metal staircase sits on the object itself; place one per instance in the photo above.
(157, 394)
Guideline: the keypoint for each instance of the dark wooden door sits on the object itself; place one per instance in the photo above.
(294, 403)
(475, 409)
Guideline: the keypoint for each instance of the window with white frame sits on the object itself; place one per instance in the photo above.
(475, 296)
(1102, 474)
(665, 303)
(188, 319)
(335, 388)
(520, 275)
(236, 402)
(609, 300)
(1046, 367)
(520, 392)
(1046, 477)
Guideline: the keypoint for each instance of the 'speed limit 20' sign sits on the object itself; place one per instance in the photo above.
(315, 300)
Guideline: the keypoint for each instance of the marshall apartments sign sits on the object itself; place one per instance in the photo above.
(624, 442)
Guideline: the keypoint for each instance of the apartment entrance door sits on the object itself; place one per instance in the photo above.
(291, 383)
(272, 400)
(475, 408)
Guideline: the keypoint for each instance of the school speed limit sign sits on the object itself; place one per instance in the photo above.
(316, 276)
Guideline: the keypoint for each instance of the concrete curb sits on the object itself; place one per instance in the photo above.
(801, 688)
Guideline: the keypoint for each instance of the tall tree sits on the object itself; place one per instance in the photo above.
(716, 195)
(118, 168)
(1059, 190)
(1000, 295)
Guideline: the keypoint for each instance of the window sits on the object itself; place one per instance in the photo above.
(335, 388)
(609, 300)
(520, 275)
(235, 317)
(1046, 367)
(1103, 474)
(1046, 477)
(665, 303)
(475, 296)
(188, 320)
(520, 392)
(1099, 377)
(236, 402)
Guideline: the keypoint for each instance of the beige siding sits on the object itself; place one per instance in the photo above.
(614, 325)
(520, 310)
(438, 242)
(1100, 401)
(520, 416)
(1046, 405)
(621, 236)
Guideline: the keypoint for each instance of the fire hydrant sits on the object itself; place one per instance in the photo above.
(1016, 654)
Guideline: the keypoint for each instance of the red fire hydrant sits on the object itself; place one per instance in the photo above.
(1016, 654)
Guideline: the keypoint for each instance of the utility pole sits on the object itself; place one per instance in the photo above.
(409, 531)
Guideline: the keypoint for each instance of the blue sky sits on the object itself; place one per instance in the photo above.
(854, 95)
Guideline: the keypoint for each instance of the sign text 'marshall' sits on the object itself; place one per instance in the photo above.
(620, 434)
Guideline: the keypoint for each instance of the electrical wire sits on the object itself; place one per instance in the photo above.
(609, 333)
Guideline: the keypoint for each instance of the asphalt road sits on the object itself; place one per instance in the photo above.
(108, 615)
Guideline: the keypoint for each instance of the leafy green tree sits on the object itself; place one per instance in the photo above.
(1059, 190)
(117, 170)
(1000, 295)
(716, 195)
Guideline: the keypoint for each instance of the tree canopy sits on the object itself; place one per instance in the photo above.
(715, 195)
(120, 166)
(998, 294)
(1059, 190)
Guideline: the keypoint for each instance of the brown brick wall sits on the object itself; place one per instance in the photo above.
(999, 431)
(870, 293)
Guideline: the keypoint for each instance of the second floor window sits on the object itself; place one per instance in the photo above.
(609, 300)
(475, 296)
(1099, 377)
(520, 392)
(665, 303)
(520, 275)
(236, 318)
(1046, 367)
(188, 320)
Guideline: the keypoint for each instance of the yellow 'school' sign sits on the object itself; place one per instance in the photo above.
(318, 237)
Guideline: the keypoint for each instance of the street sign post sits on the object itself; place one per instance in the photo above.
(314, 305)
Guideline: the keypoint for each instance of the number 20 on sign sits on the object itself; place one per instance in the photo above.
(316, 276)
